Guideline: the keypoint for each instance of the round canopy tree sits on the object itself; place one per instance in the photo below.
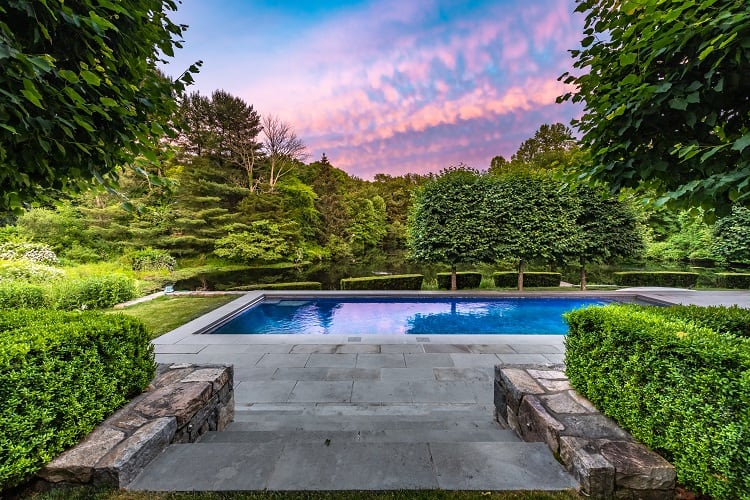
(80, 93)
(449, 223)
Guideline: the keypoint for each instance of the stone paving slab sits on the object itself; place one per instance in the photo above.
(498, 466)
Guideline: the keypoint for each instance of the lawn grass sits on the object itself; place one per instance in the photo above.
(93, 494)
(167, 313)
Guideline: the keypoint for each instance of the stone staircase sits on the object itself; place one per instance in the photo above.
(333, 446)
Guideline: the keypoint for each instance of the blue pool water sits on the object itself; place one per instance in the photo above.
(407, 316)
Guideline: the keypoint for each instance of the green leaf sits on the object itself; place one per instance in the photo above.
(8, 128)
(31, 93)
(68, 75)
(627, 59)
(741, 143)
(678, 103)
(91, 78)
(108, 101)
(83, 123)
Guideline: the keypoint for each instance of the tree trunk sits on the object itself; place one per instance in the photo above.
(520, 275)
(454, 286)
(583, 273)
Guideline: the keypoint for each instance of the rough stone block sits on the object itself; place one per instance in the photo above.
(517, 383)
(170, 376)
(126, 460)
(593, 472)
(547, 374)
(182, 400)
(639, 469)
(225, 414)
(217, 376)
(554, 385)
(76, 465)
(561, 403)
(592, 426)
(501, 405)
(513, 421)
(536, 424)
(583, 401)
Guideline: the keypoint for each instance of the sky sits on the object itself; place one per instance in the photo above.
(389, 86)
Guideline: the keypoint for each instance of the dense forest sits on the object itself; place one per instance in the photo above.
(237, 187)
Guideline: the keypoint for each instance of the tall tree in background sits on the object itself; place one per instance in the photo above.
(552, 147)
(81, 95)
(282, 149)
(667, 98)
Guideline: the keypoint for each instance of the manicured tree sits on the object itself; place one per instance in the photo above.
(532, 218)
(731, 236)
(666, 91)
(609, 228)
(81, 95)
(448, 221)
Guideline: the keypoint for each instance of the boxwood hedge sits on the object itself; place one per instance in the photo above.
(63, 373)
(679, 387)
(509, 279)
(464, 279)
(733, 280)
(656, 278)
(392, 282)
(295, 285)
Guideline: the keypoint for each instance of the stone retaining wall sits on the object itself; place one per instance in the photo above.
(183, 402)
(539, 405)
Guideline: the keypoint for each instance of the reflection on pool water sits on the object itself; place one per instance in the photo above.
(407, 316)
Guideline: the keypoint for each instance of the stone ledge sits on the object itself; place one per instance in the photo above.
(182, 402)
(539, 405)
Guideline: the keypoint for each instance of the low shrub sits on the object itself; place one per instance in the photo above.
(298, 285)
(509, 279)
(26, 270)
(392, 282)
(21, 295)
(727, 320)
(463, 280)
(96, 292)
(733, 280)
(151, 259)
(681, 389)
(63, 373)
(656, 278)
(34, 252)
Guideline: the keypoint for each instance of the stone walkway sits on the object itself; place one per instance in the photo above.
(380, 413)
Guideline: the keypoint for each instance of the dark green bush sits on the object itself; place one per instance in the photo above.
(728, 320)
(681, 389)
(393, 282)
(656, 278)
(465, 279)
(63, 373)
(152, 259)
(97, 292)
(733, 280)
(297, 285)
(19, 295)
(509, 279)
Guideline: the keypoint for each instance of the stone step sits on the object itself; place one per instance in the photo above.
(346, 465)
(419, 435)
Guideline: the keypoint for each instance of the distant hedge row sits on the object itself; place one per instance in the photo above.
(296, 285)
(96, 292)
(391, 282)
(62, 374)
(678, 379)
(464, 279)
(509, 279)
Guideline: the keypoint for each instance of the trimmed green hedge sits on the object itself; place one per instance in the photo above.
(296, 285)
(19, 295)
(656, 278)
(727, 320)
(509, 279)
(63, 373)
(733, 280)
(393, 282)
(680, 388)
(96, 292)
(464, 279)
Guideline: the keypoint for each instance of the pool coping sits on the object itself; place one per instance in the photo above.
(195, 329)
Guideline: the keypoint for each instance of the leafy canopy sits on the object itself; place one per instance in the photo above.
(667, 98)
(80, 94)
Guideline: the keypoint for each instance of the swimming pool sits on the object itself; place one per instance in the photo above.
(405, 316)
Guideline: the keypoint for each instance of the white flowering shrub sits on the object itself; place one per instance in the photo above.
(34, 252)
(28, 271)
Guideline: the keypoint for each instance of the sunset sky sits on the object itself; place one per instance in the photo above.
(390, 86)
